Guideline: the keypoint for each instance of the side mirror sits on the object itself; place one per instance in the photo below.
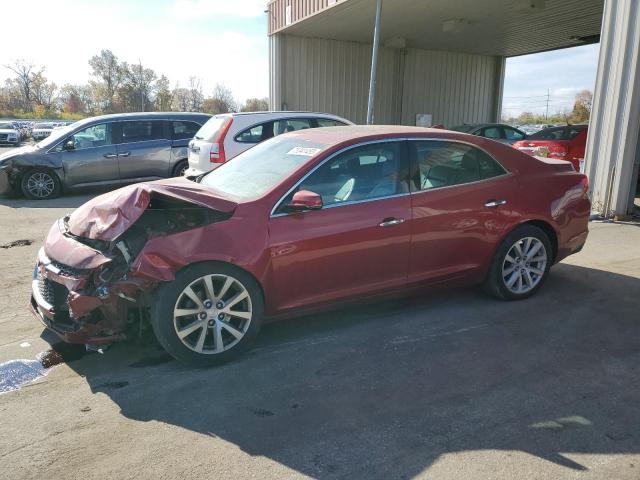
(305, 200)
(69, 145)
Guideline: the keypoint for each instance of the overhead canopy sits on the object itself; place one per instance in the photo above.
(489, 27)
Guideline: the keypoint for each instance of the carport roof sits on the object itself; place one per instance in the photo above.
(490, 27)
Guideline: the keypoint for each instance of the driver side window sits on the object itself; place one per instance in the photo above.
(361, 173)
(91, 137)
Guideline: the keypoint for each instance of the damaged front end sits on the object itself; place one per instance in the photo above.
(92, 283)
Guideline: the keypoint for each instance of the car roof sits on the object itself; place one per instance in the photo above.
(350, 133)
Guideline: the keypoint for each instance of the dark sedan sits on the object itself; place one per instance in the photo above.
(104, 150)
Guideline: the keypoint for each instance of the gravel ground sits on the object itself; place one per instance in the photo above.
(447, 385)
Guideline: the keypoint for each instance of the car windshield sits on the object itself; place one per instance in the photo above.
(4, 126)
(462, 128)
(259, 169)
(55, 136)
(558, 133)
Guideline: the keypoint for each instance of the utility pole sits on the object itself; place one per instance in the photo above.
(141, 87)
(546, 115)
(374, 63)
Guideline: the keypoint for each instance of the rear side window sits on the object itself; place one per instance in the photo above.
(291, 125)
(142, 130)
(183, 130)
(557, 133)
(211, 130)
(327, 122)
(491, 132)
(445, 164)
(512, 134)
(256, 134)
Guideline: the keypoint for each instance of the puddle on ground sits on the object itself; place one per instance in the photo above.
(61, 353)
(16, 373)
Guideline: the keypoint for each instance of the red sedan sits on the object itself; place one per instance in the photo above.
(301, 222)
(562, 143)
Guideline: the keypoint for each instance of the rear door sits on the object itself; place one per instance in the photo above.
(144, 149)
(93, 158)
(461, 200)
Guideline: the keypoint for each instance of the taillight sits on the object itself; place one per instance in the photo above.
(217, 155)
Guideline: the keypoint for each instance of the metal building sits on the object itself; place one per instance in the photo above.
(445, 60)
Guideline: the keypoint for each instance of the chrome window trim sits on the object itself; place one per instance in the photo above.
(330, 157)
(113, 120)
(506, 173)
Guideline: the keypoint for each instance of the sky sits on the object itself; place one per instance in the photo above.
(225, 41)
(216, 40)
(562, 72)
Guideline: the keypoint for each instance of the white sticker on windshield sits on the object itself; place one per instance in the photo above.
(306, 151)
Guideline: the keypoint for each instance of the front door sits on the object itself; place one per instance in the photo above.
(92, 158)
(144, 150)
(461, 203)
(358, 243)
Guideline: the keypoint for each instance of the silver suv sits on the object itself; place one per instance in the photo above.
(227, 135)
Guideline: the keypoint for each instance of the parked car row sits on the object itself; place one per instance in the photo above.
(566, 142)
(136, 147)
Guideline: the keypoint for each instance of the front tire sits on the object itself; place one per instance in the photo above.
(40, 184)
(520, 265)
(209, 314)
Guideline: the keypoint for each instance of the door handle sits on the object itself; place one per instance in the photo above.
(110, 155)
(390, 222)
(124, 154)
(494, 203)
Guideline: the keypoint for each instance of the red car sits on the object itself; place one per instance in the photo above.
(301, 222)
(562, 143)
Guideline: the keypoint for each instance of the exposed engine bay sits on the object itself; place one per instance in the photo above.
(88, 286)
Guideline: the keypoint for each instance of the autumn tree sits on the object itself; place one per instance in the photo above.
(109, 75)
(255, 105)
(221, 101)
(163, 95)
(582, 107)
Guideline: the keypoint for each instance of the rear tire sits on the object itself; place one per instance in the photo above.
(520, 265)
(180, 168)
(214, 327)
(40, 184)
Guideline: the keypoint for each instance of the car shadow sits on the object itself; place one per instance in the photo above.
(384, 390)
(73, 200)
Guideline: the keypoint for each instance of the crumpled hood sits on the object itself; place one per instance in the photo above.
(107, 216)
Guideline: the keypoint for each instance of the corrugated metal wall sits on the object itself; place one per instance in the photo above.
(454, 87)
(333, 76)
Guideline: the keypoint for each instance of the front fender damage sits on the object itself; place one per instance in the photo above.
(97, 288)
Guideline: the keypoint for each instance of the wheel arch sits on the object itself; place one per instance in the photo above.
(232, 266)
(548, 229)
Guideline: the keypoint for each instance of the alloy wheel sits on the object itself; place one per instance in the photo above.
(524, 265)
(41, 184)
(212, 314)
